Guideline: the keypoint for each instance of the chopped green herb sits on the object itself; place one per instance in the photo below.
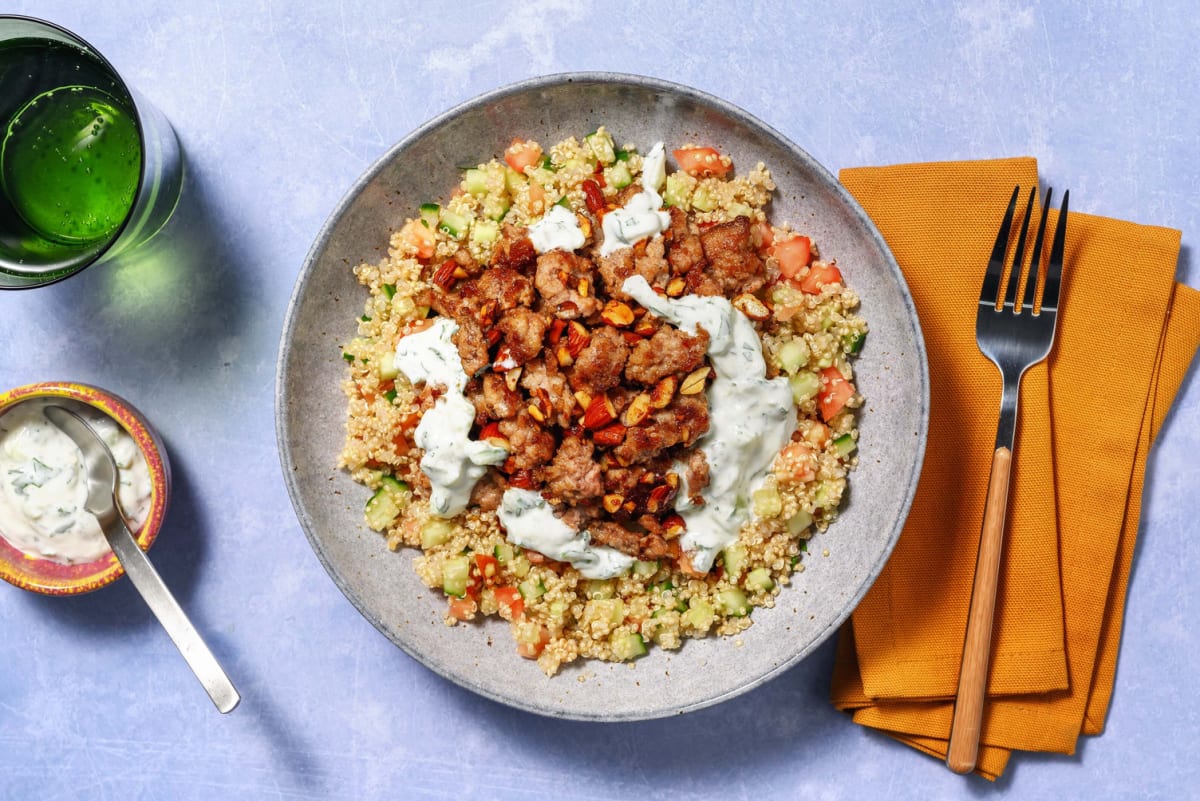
(548, 164)
(803, 546)
(562, 201)
(622, 155)
(349, 357)
(389, 290)
(365, 318)
(390, 396)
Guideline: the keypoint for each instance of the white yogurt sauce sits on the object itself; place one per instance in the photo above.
(530, 522)
(750, 417)
(43, 489)
(557, 230)
(452, 461)
(642, 216)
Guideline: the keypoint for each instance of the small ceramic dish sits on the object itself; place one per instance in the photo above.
(49, 577)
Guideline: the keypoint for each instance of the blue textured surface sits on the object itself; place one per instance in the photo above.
(279, 107)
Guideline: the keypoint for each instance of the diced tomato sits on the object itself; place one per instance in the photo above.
(792, 254)
(761, 235)
(818, 276)
(462, 608)
(414, 326)
(488, 568)
(818, 434)
(531, 650)
(522, 154)
(419, 238)
(794, 464)
(537, 197)
(701, 162)
(835, 391)
(510, 598)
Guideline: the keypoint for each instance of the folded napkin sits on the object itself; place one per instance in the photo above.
(1126, 335)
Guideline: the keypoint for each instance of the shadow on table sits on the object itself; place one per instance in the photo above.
(150, 319)
(783, 719)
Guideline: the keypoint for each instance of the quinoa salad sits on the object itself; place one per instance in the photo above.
(607, 397)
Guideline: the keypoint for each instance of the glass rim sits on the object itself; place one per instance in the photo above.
(100, 252)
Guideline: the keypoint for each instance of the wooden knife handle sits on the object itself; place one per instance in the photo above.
(967, 724)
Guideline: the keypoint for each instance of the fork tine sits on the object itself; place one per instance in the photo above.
(1054, 271)
(1035, 267)
(995, 268)
(1018, 265)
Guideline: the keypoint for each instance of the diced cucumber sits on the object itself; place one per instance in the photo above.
(621, 155)
(739, 210)
(610, 609)
(519, 566)
(766, 502)
(389, 290)
(793, 355)
(678, 191)
(532, 588)
(627, 645)
(823, 496)
(429, 215)
(735, 561)
(853, 343)
(387, 503)
(504, 553)
(699, 615)
(559, 609)
(733, 602)
(456, 573)
(759, 580)
(454, 224)
(619, 175)
(387, 366)
(495, 207)
(382, 510)
(645, 569)
(805, 386)
(702, 200)
(513, 180)
(845, 445)
(435, 532)
(485, 232)
(600, 589)
(403, 307)
(601, 143)
(475, 181)
(799, 522)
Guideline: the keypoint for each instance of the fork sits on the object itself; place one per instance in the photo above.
(1015, 337)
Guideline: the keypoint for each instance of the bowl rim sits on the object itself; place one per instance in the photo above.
(321, 241)
(107, 568)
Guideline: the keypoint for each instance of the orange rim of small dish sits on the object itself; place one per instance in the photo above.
(48, 577)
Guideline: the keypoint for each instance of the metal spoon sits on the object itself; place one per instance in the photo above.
(101, 501)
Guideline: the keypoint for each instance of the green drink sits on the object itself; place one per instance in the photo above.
(69, 164)
(86, 170)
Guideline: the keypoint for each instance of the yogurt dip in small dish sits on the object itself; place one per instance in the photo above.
(48, 542)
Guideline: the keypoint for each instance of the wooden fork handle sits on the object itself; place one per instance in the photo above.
(967, 724)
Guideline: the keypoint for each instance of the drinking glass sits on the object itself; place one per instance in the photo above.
(88, 168)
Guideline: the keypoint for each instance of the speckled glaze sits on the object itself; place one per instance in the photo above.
(891, 374)
(53, 578)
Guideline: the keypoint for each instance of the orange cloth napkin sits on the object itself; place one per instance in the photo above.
(1126, 335)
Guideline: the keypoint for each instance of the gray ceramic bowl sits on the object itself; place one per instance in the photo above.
(891, 374)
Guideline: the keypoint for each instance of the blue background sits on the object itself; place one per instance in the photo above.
(280, 106)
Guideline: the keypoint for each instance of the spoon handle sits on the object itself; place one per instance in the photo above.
(164, 606)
